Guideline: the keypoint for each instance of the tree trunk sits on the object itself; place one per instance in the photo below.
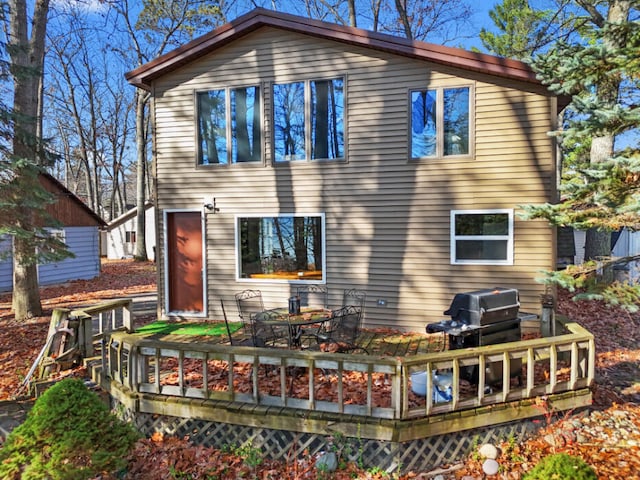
(598, 242)
(401, 8)
(27, 59)
(26, 293)
(352, 13)
(141, 139)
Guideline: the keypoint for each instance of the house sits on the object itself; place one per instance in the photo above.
(79, 229)
(291, 151)
(119, 237)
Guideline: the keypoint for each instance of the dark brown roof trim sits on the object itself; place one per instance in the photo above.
(144, 75)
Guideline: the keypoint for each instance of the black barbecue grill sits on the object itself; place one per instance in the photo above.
(483, 317)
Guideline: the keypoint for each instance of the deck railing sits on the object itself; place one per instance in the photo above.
(368, 385)
(108, 316)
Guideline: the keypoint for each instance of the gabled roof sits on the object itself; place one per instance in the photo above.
(67, 207)
(144, 75)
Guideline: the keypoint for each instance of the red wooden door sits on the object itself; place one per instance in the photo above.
(184, 262)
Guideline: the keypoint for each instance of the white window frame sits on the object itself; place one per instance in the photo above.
(509, 237)
(238, 254)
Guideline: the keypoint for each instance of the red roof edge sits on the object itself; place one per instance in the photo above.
(144, 75)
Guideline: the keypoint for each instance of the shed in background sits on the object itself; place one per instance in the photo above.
(79, 230)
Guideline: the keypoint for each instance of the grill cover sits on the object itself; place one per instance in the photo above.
(483, 307)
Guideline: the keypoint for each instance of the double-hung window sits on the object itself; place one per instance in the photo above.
(284, 247)
(308, 120)
(229, 126)
(440, 122)
(482, 237)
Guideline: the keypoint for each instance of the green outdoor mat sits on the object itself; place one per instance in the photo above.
(161, 327)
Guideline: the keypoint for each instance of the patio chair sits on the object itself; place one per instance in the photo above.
(313, 296)
(248, 302)
(269, 330)
(354, 297)
(242, 341)
(341, 334)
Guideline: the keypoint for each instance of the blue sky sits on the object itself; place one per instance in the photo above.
(481, 19)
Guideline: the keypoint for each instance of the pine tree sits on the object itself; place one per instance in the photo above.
(23, 156)
(601, 73)
(603, 79)
(524, 30)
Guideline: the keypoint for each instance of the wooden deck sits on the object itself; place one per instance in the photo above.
(203, 387)
(378, 342)
(163, 371)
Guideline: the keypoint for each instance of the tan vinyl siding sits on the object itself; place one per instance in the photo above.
(387, 217)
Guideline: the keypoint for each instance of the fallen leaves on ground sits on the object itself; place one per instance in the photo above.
(20, 342)
(616, 395)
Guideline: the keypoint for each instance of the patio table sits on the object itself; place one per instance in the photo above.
(295, 321)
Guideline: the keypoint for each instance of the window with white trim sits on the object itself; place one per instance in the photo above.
(483, 237)
(284, 247)
(308, 120)
(130, 236)
(440, 122)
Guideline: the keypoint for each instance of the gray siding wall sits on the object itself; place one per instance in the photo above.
(387, 217)
(83, 242)
(6, 266)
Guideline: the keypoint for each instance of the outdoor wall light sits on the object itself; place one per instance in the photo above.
(211, 206)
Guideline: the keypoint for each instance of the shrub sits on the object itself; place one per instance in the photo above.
(69, 434)
(561, 467)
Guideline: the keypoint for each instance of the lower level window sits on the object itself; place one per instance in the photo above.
(482, 237)
(284, 247)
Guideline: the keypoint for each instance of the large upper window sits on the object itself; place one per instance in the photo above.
(482, 237)
(321, 104)
(229, 129)
(284, 247)
(440, 122)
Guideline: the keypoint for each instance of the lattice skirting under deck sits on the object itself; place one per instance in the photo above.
(417, 455)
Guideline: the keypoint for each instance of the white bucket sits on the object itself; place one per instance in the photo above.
(442, 391)
(419, 383)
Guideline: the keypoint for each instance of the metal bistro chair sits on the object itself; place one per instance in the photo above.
(354, 297)
(343, 330)
(313, 296)
(243, 341)
(248, 302)
(269, 330)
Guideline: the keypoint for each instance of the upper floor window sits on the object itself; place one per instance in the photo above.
(482, 237)
(308, 120)
(440, 122)
(284, 247)
(229, 129)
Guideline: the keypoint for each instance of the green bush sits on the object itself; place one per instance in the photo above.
(561, 467)
(69, 434)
